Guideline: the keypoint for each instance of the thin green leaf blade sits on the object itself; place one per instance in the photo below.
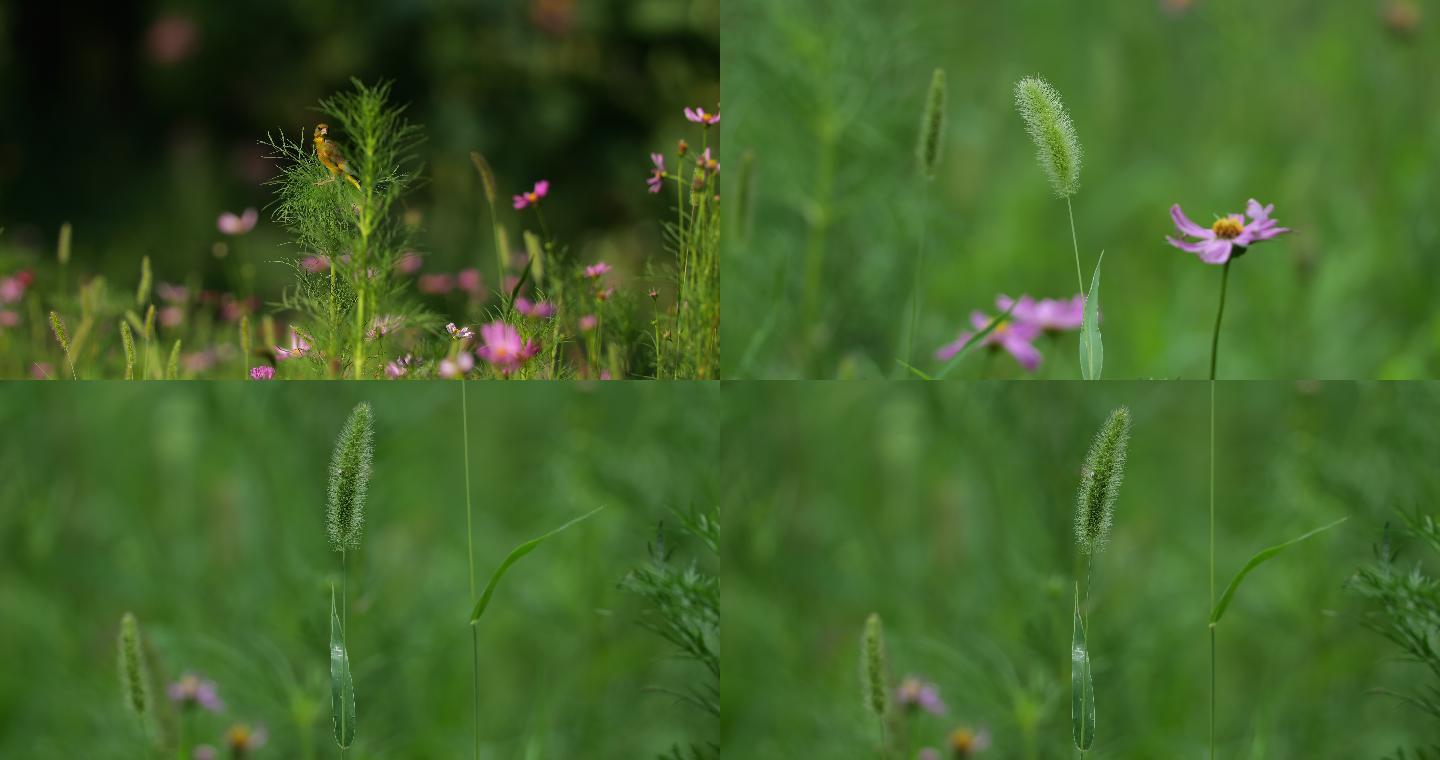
(1082, 688)
(1092, 351)
(913, 369)
(512, 558)
(974, 341)
(1260, 558)
(342, 687)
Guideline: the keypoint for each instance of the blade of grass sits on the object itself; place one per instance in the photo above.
(1260, 558)
(1082, 688)
(1092, 352)
(342, 687)
(512, 558)
(974, 339)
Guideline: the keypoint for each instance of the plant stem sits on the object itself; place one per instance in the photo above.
(470, 551)
(1215, 340)
(1075, 243)
(815, 246)
(1212, 536)
(919, 266)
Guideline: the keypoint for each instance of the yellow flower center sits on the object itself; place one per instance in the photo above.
(1228, 227)
(962, 740)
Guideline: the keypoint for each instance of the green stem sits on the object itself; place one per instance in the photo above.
(815, 247)
(470, 551)
(1215, 340)
(919, 267)
(1212, 541)
(1075, 243)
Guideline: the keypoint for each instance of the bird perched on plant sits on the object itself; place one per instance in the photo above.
(329, 155)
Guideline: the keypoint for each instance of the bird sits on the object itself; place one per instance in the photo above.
(329, 155)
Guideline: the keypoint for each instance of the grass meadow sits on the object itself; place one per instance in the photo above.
(201, 509)
(1319, 108)
(949, 512)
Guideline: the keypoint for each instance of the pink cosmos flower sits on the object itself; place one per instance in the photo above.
(605, 294)
(315, 263)
(469, 281)
(1229, 236)
(706, 162)
(595, 270)
(262, 372)
(588, 322)
(542, 189)
(1047, 314)
(231, 224)
(459, 333)
(171, 316)
(400, 367)
(205, 752)
(12, 288)
(1016, 338)
(657, 175)
(176, 294)
(408, 263)
(297, 349)
(460, 365)
(504, 348)
(915, 694)
(9, 318)
(383, 325)
(700, 116)
(537, 310)
(194, 691)
(967, 743)
(436, 284)
(243, 739)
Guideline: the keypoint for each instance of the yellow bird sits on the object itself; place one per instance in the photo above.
(329, 154)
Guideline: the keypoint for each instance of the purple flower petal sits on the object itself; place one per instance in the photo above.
(1188, 227)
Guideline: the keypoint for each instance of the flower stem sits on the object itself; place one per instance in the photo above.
(1215, 340)
(470, 551)
(919, 267)
(1212, 537)
(1075, 243)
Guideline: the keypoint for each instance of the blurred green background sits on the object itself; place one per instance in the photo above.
(948, 510)
(201, 508)
(139, 122)
(1325, 109)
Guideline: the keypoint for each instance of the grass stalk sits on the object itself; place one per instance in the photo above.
(1219, 314)
(1212, 529)
(470, 554)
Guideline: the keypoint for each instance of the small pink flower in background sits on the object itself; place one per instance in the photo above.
(605, 294)
(605, 375)
(542, 189)
(704, 161)
(1229, 236)
(42, 370)
(315, 264)
(915, 694)
(193, 691)
(199, 361)
(588, 322)
(657, 175)
(1016, 338)
(231, 224)
(400, 367)
(436, 284)
(504, 348)
(298, 347)
(460, 365)
(966, 743)
(1047, 314)
(408, 263)
(511, 283)
(171, 39)
(243, 739)
(171, 316)
(205, 752)
(9, 318)
(176, 294)
(470, 281)
(383, 325)
(12, 288)
(459, 333)
(262, 372)
(595, 270)
(700, 116)
(538, 310)
(232, 308)
(929, 753)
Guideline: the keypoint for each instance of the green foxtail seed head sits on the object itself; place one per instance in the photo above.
(142, 293)
(872, 667)
(1056, 144)
(1100, 483)
(349, 478)
(932, 127)
(127, 340)
(487, 177)
(57, 326)
(62, 251)
(172, 366)
(133, 683)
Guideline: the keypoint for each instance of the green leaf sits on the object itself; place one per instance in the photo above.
(1255, 561)
(514, 556)
(1082, 689)
(974, 340)
(917, 372)
(1092, 351)
(342, 688)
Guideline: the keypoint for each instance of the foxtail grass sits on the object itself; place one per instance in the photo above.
(127, 342)
(135, 676)
(57, 326)
(928, 150)
(875, 677)
(344, 525)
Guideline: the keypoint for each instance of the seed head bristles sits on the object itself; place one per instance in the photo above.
(872, 668)
(128, 342)
(487, 177)
(62, 251)
(172, 366)
(142, 293)
(932, 127)
(133, 682)
(349, 477)
(1056, 144)
(1100, 483)
(57, 326)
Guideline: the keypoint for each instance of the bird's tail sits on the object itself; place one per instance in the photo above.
(352, 181)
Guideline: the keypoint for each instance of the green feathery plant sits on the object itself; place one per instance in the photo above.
(684, 604)
(688, 338)
(1057, 147)
(1406, 611)
(344, 524)
(1100, 481)
(352, 219)
(928, 150)
(875, 678)
(135, 677)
